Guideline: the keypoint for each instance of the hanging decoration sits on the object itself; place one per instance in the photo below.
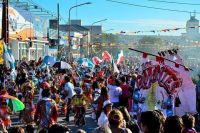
(158, 31)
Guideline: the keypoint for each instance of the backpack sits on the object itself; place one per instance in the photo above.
(125, 91)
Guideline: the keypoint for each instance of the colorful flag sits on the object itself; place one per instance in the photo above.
(96, 60)
(120, 57)
(106, 56)
(116, 70)
(8, 56)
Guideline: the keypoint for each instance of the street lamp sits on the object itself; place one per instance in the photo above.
(92, 33)
(108, 30)
(69, 37)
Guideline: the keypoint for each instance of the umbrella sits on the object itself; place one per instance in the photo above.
(85, 62)
(62, 65)
(35, 80)
(49, 60)
(42, 67)
(12, 102)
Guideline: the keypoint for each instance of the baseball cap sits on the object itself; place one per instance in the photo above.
(106, 103)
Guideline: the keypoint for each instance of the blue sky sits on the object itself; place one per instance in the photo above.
(124, 17)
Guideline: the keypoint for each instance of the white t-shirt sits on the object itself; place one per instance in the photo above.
(69, 87)
(103, 120)
(114, 93)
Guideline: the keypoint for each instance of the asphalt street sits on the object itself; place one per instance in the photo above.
(90, 123)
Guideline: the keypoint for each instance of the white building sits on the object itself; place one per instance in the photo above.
(27, 36)
(192, 29)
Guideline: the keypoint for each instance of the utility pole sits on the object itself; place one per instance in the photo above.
(5, 23)
(91, 39)
(69, 23)
(58, 26)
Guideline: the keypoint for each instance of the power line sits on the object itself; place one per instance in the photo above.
(47, 10)
(150, 7)
(178, 3)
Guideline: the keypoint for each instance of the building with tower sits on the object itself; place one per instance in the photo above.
(192, 28)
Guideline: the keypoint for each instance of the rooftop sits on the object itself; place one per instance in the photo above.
(73, 27)
(192, 19)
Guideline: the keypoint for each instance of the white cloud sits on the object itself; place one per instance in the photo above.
(151, 22)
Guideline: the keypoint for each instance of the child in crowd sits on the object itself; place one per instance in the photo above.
(189, 123)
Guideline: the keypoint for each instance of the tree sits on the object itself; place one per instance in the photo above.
(109, 38)
(149, 40)
(149, 44)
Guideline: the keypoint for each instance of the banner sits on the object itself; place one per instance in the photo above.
(1, 53)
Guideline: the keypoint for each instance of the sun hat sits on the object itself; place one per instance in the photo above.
(106, 103)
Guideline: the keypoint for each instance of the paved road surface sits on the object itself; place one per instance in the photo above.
(90, 123)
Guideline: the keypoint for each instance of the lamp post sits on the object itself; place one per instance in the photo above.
(58, 25)
(69, 32)
(108, 30)
(91, 32)
(5, 22)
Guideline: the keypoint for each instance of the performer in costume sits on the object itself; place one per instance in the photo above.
(28, 97)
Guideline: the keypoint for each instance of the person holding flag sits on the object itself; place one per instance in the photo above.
(120, 57)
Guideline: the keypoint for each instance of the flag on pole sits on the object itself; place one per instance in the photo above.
(116, 70)
(106, 56)
(8, 56)
(120, 57)
(96, 60)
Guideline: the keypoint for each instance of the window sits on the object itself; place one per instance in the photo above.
(33, 54)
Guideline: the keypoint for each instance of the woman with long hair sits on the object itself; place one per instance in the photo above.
(115, 91)
(100, 100)
(103, 119)
(116, 122)
(129, 123)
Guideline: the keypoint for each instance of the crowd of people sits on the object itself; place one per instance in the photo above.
(49, 92)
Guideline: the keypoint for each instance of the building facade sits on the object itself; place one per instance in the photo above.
(192, 29)
(27, 34)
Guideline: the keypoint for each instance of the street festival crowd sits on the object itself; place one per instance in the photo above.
(157, 96)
